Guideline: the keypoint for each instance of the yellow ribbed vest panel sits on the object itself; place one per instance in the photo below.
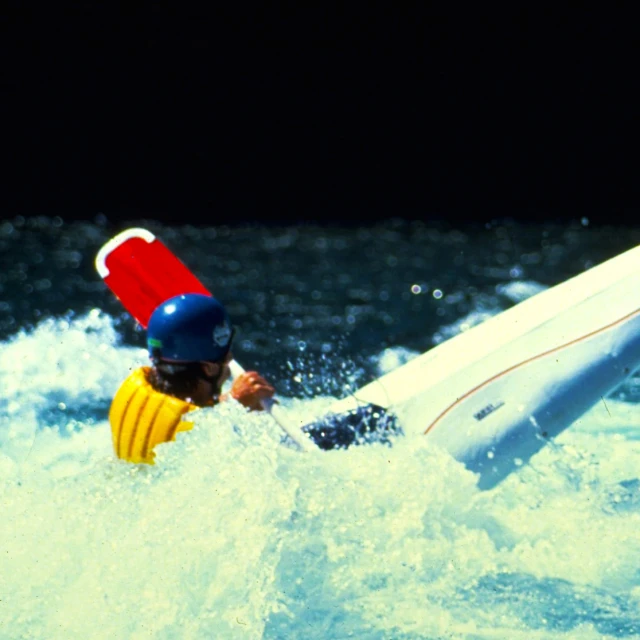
(142, 417)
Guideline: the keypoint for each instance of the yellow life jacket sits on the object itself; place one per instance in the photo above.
(142, 417)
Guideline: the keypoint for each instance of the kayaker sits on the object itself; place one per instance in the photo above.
(189, 341)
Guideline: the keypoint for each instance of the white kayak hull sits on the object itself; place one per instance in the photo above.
(496, 394)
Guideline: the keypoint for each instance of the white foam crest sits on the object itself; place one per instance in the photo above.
(519, 290)
(392, 358)
(60, 354)
(59, 366)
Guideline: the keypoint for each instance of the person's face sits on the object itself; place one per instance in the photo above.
(219, 370)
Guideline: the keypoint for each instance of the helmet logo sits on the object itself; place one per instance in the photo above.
(222, 334)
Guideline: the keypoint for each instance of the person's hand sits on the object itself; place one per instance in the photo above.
(250, 388)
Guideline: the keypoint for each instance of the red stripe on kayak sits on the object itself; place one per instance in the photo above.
(521, 364)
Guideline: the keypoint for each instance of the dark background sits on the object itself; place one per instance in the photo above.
(294, 115)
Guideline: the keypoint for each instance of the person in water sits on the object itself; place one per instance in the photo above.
(189, 341)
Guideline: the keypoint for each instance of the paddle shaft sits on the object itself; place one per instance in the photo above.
(273, 408)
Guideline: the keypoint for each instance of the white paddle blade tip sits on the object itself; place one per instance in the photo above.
(115, 242)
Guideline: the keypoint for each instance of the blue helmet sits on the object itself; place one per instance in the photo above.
(189, 328)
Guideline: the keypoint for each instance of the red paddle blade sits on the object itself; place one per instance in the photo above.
(143, 273)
